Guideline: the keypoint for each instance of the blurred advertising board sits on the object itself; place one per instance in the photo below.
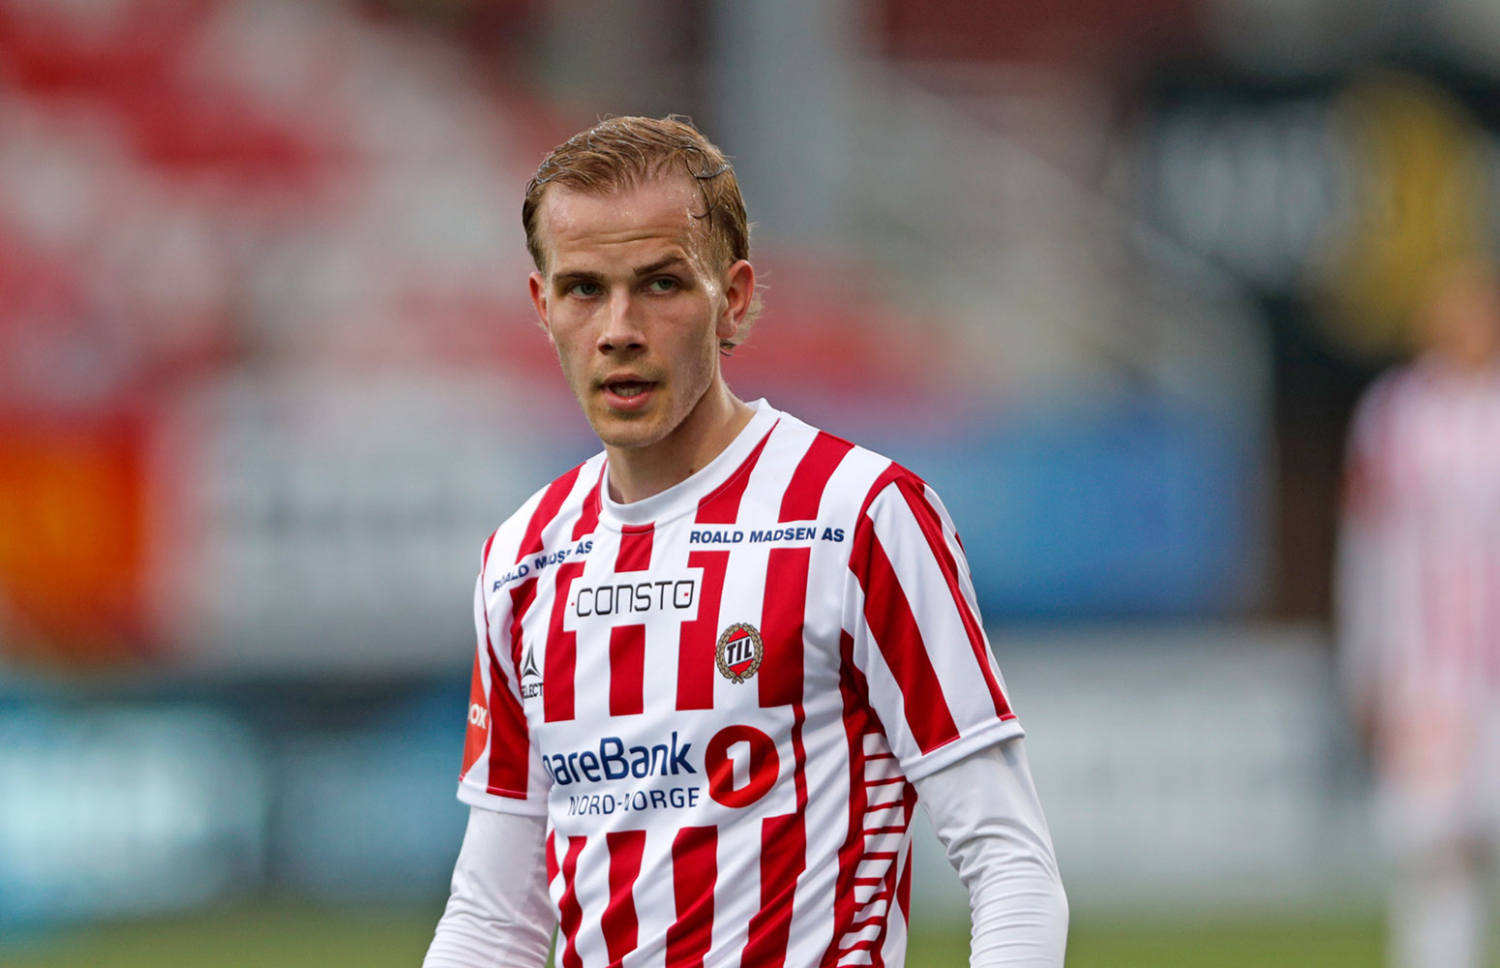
(119, 808)
(309, 520)
(1338, 193)
(327, 520)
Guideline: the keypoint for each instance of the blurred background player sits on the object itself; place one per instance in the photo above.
(1419, 589)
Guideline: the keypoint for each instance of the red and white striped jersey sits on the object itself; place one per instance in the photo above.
(1419, 571)
(719, 697)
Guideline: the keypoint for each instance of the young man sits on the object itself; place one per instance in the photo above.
(1419, 584)
(719, 663)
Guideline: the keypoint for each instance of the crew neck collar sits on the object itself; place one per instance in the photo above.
(685, 495)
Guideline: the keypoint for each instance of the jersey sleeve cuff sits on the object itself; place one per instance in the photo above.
(500, 803)
(996, 731)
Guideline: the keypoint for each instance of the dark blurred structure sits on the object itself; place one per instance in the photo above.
(1110, 276)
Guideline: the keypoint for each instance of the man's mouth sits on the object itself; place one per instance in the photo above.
(630, 393)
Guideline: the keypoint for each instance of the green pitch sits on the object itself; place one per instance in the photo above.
(288, 935)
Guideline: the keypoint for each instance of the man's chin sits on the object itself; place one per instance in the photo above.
(626, 432)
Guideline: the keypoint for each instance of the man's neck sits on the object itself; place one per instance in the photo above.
(636, 473)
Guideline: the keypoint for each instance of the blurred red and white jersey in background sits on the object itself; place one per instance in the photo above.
(719, 697)
(1419, 569)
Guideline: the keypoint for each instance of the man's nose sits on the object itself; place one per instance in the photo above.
(622, 330)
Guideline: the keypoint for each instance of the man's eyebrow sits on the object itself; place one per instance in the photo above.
(571, 277)
(659, 265)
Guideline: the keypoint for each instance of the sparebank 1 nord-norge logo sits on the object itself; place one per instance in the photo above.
(739, 652)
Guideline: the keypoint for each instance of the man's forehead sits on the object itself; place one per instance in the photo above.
(666, 208)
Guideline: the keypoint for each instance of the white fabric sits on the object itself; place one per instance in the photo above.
(499, 914)
(985, 810)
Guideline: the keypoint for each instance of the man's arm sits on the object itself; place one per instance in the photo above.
(984, 809)
(499, 914)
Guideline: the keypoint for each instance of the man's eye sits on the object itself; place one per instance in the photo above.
(584, 289)
(662, 284)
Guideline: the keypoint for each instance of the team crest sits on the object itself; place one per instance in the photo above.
(739, 652)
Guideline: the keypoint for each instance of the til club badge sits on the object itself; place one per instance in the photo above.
(739, 652)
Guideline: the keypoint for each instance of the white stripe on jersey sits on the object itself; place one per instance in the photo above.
(718, 696)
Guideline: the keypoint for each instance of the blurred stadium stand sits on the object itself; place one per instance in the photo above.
(1109, 278)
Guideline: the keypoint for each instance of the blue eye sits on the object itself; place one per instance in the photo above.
(585, 289)
(662, 284)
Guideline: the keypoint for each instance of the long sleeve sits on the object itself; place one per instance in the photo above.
(985, 810)
(499, 914)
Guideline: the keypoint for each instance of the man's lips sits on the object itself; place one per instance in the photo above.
(627, 393)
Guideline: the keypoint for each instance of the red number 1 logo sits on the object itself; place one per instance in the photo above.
(742, 765)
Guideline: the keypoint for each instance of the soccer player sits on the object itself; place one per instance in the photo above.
(1419, 597)
(720, 663)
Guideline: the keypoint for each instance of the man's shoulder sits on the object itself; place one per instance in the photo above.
(565, 495)
(846, 475)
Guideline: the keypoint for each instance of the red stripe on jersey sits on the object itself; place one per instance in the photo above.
(510, 742)
(932, 529)
(627, 669)
(782, 618)
(562, 651)
(799, 757)
(783, 858)
(805, 492)
(619, 920)
(569, 911)
(695, 871)
(722, 505)
(635, 547)
(888, 475)
(698, 639)
(546, 510)
(895, 630)
(551, 856)
(476, 734)
(903, 890)
(588, 519)
(627, 643)
(521, 598)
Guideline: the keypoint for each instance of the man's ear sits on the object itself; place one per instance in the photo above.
(739, 294)
(538, 286)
